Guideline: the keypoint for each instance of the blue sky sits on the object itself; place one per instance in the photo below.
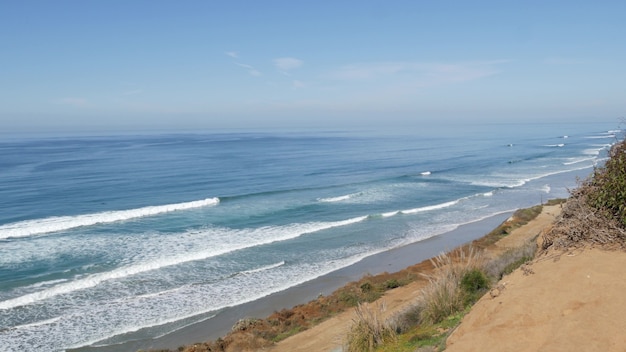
(135, 65)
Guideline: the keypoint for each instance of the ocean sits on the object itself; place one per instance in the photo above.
(107, 239)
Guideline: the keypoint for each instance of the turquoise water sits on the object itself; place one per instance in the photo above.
(110, 238)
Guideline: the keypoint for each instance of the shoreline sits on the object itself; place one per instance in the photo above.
(392, 260)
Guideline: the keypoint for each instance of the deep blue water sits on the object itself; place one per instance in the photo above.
(108, 238)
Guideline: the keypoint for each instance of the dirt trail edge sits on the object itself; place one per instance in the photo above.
(329, 335)
(564, 302)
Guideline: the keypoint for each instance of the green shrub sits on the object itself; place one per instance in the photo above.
(392, 283)
(474, 284)
(349, 299)
(474, 281)
(609, 184)
(366, 287)
(527, 214)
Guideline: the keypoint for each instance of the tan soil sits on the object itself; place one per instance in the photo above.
(527, 232)
(329, 335)
(569, 302)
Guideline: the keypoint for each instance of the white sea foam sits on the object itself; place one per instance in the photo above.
(336, 199)
(594, 151)
(425, 173)
(155, 294)
(488, 194)
(578, 160)
(45, 283)
(37, 323)
(540, 176)
(546, 188)
(61, 223)
(499, 182)
(430, 207)
(601, 137)
(99, 324)
(263, 268)
(560, 145)
(422, 209)
(521, 182)
(226, 240)
(391, 213)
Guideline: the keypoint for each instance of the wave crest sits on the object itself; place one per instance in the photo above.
(60, 223)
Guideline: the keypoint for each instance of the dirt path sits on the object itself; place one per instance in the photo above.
(329, 335)
(527, 232)
(571, 302)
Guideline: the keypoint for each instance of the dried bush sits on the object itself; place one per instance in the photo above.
(595, 213)
(408, 318)
(581, 224)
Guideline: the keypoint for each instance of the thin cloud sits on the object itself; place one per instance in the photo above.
(298, 84)
(249, 67)
(287, 63)
(251, 70)
(419, 72)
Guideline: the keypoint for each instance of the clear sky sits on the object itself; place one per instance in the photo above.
(133, 65)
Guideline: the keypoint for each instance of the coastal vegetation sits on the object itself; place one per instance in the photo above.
(595, 213)
(458, 280)
(607, 188)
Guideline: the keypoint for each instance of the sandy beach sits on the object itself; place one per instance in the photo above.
(388, 261)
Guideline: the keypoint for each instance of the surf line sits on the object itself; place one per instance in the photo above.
(60, 223)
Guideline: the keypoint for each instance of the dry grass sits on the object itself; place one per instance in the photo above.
(511, 259)
(444, 296)
(368, 329)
